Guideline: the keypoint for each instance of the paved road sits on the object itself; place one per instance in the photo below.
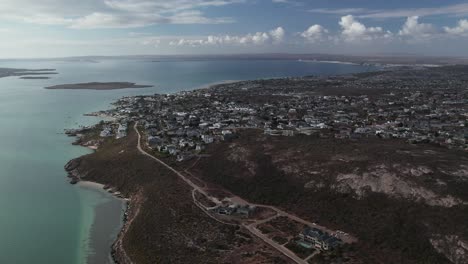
(346, 239)
(275, 245)
(185, 179)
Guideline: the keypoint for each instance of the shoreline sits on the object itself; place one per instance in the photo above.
(117, 252)
(210, 85)
(336, 62)
(98, 186)
(374, 64)
(102, 233)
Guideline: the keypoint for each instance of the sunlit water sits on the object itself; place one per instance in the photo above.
(43, 219)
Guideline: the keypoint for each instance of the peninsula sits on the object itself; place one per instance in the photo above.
(34, 77)
(97, 86)
(27, 73)
(364, 168)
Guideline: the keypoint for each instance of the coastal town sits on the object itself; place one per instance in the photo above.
(180, 127)
(419, 110)
(412, 106)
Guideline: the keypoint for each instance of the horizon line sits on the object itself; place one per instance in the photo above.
(271, 55)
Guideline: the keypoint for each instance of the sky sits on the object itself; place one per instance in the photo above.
(60, 28)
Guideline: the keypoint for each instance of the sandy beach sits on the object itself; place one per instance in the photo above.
(107, 219)
(91, 185)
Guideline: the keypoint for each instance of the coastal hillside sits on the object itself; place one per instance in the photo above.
(163, 225)
(404, 202)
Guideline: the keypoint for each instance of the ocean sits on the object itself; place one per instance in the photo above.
(44, 219)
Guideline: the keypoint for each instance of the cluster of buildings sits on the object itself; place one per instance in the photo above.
(314, 237)
(234, 210)
(119, 130)
(179, 125)
(183, 124)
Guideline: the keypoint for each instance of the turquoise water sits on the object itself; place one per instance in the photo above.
(43, 219)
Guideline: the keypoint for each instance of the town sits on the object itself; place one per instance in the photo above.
(418, 110)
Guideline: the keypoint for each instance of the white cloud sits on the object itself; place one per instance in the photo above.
(460, 30)
(414, 30)
(186, 42)
(289, 2)
(151, 42)
(260, 38)
(355, 31)
(257, 39)
(112, 13)
(338, 11)
(457, 10)
(196, 17)
(106, 20)
(314, 33)
(278, 34)
(453, 10)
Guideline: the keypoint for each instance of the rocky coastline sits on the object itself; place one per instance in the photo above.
(118, 253)
(71, 169)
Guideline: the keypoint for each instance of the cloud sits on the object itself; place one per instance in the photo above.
(414, 30)
(187, 42)
(453, 10)
(289, 2)
(460, 30)
(151, 42)
(338, 11)
(113, 13)
(456, 10)
(355, 31)
(278, 34)
(106, 20)
(260, 38)
(196, 17)
(257, 39)
(314, 33)
(162, 6)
